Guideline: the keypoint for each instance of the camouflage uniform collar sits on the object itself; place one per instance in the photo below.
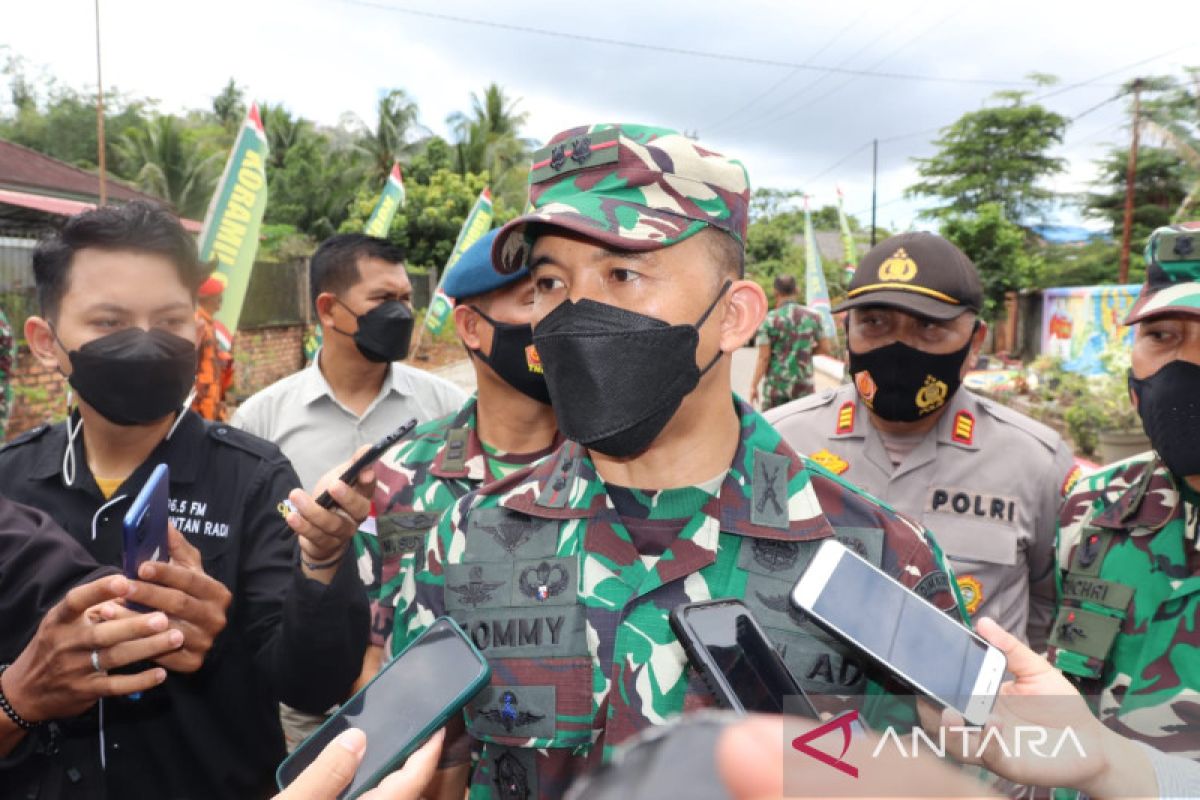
(767, 492)
(473, 461)
(1151, 499)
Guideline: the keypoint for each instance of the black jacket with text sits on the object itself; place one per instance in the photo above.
(215, 732)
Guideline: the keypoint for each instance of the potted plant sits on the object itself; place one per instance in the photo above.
(1102, 420)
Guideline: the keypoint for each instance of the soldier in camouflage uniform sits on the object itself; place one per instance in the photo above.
(787, 341)
(421, 477)
(563, 574)
(1129, 535)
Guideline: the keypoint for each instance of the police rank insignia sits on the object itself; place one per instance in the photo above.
(964, 428)
(932, 395)
(543, 581)
(845, 417)
(508, 715)
(972, 592)
(830, 461)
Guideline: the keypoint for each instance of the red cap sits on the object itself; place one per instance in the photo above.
(214, 286)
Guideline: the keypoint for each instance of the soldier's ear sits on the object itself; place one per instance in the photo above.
(745, 311)
(466, 322)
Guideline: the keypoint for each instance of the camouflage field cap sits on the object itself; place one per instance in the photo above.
(629, 186)
(1172, 273)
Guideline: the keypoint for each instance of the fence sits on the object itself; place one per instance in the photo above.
(18, 298)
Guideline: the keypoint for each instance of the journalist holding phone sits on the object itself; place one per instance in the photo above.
(268, 609)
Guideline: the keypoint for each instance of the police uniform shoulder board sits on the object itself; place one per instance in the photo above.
(1092, 610)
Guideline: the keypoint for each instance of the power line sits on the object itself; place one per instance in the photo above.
(787, 77)
(834, 165)
(683, 51)
(1110, 73)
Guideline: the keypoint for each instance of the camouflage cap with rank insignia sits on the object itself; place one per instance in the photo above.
(1172, 274)
(631, 187)
(921, 273)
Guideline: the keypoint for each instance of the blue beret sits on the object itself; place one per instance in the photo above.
(473, 273)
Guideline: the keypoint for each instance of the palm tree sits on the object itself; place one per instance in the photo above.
(166, 162)
(283, 131)
(228, 107)
(489, 140)
(397, 135)
(1174, 120)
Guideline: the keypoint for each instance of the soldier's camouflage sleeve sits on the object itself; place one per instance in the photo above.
(763, 337)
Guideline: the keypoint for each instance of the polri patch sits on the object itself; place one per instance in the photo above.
(972, 592)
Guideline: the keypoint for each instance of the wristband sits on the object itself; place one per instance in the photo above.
(333, 562)
(9, 711)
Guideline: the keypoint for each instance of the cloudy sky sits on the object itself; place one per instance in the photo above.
(797, 89)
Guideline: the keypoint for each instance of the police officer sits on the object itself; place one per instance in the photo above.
(262, 619)
(668, 490)
(507, 425)
(986, 479)
(1129, 538)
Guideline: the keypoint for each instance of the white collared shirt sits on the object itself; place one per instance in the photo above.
(316, 432)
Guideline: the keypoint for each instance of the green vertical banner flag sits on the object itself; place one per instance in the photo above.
(230, 231)
(390, 200)
(478, 222)
(849, 248)
(816, 292)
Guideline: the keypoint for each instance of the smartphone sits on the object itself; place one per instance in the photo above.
(325, 499)
(734, 657)
(411, 697)
(145, 523)
(900, 631)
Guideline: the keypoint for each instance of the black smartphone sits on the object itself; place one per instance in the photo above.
(325, 499)
(411, 697)
(735, 658)
(915, 641)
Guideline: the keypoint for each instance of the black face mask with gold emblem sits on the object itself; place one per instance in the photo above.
(903, 384)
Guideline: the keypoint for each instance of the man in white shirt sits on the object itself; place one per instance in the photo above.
(353, 393)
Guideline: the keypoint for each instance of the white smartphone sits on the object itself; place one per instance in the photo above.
(896, 628)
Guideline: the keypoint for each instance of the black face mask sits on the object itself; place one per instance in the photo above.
(514, 358)
(1169, 405)
(903, 384)
(617, 377)
(133, 376)
(384, 332)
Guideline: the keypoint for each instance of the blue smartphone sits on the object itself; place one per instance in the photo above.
(146, 524)
(412, 696)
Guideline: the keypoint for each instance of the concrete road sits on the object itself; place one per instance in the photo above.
(463, 375)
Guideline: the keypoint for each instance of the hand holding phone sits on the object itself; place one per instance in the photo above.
(897, 629)
(145, 525)
(736, 659)
(412, 697)
(325, 500)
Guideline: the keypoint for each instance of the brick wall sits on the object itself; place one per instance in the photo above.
(39, 394)
(263, 356)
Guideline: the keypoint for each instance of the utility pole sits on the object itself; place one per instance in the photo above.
(100, 146)
(1130, 176)
(874, 184)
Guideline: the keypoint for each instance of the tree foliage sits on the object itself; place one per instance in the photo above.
(998, 154)
(998, 247)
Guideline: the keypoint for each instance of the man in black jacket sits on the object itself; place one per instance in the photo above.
(269, 608)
